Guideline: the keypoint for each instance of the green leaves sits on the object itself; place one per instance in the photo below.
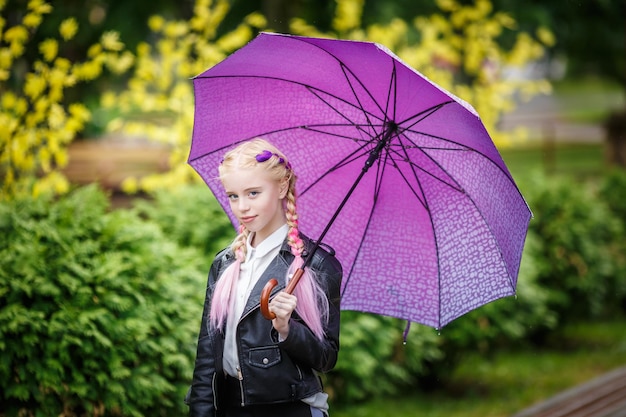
(101, 308)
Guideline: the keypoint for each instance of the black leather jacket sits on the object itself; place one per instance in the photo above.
(273, 371)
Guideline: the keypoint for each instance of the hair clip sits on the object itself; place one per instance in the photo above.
(265, 155)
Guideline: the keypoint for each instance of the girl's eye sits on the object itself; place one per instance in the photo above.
(253, 194)
(232, 197)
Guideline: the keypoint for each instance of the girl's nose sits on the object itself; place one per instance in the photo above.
(243, 205)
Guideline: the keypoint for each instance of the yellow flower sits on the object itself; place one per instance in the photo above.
(32, 20)
(108, 99)
(121, 64)
(87, 70)
(447, 5)
(546, 36)
(155, 23)
(256, 20)
(94, 50)
(175, 29)
(44, 159)
(110, 41)
(49, 49)
(34, 85)
(9, 100)
(348, 15)
(236, 39)
(39, 6)
(130, 185)
(80, 111)
(68, 28)
(16, 34)
(21, 107)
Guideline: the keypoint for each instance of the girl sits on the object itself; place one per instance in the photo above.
(247, 365)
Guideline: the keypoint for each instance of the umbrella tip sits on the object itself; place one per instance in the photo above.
(405, 334)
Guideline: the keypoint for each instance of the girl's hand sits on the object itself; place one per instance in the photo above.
(282, 305)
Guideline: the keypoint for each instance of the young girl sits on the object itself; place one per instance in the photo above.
(247, 365)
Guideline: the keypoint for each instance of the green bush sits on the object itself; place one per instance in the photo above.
(612, 189)
(99, 310)
(579, 258)
(192, 217)
(374, 360)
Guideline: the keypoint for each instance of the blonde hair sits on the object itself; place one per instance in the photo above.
(312, 304)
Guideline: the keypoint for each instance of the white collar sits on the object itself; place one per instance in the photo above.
(271, 242)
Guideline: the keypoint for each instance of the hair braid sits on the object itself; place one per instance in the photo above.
(293, 237)
(223, 299)
(239, 246)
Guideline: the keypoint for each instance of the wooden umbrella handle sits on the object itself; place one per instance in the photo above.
(267, 291)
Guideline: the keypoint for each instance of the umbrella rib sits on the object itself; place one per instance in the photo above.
(424, 114)
(342, 114)
(311, 88)
(368, 114)
(353, 156)
(460, 148)
(346, 68)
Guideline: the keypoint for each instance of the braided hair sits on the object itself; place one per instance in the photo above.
(312, 306)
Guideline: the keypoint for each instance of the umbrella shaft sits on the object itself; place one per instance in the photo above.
(373, 156)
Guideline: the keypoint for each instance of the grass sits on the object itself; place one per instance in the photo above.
(510, 380)
(588, 100)
(575, 159)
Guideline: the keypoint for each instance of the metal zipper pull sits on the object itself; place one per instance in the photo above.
(240, 377)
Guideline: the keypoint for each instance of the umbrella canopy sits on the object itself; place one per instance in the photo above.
(433, 229)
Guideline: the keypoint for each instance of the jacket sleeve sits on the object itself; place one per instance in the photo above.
(201, 396)
(301, 344)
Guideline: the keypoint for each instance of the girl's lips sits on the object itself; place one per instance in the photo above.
(247, 219)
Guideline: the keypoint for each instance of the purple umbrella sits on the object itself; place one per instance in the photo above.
(426, 218)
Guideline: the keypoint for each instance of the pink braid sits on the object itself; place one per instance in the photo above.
(312, 304)
(223, 300)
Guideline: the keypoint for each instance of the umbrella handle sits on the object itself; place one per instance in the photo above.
(267, 291)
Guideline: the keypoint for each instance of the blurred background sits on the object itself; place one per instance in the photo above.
(107, 235)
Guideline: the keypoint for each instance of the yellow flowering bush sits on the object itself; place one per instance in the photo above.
(36, 125)
(160, 92)
(458, 50)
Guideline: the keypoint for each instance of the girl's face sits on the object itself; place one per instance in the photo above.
(256, 199)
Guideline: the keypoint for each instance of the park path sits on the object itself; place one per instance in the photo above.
(604, 396)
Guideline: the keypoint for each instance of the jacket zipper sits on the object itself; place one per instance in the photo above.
(240, 378)
(239, 373)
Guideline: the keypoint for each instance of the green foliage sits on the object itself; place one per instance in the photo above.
(579, 254)
(191, 216)
(98, 310)
(374, 360)
(612, 191)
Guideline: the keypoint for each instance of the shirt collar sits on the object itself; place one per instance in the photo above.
(271, 242)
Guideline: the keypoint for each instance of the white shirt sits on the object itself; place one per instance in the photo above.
(256, 262)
